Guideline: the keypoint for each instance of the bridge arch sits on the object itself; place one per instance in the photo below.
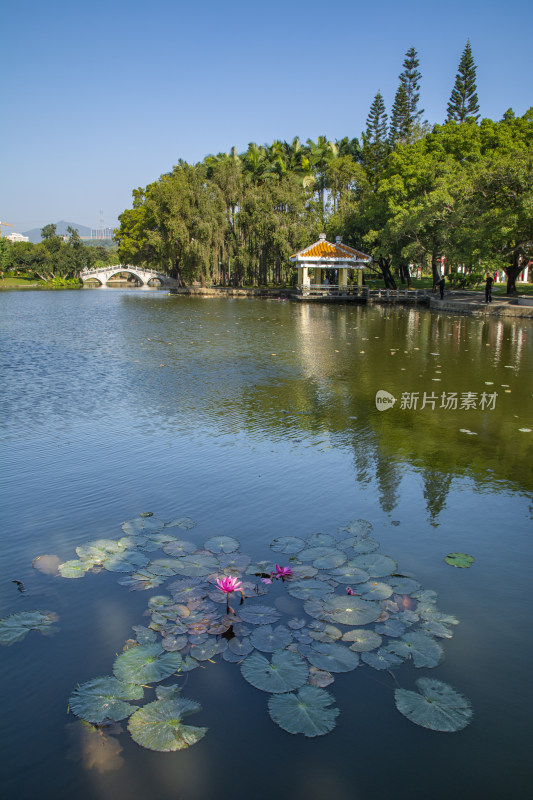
(144, 276)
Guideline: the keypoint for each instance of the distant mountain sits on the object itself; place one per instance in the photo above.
(61, 227)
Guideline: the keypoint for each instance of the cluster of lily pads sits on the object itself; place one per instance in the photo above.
(355, 610)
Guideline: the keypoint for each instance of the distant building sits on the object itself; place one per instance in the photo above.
(17, 237)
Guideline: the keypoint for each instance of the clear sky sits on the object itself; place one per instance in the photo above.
(102, 97)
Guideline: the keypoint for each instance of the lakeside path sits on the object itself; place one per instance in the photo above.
(473, 303)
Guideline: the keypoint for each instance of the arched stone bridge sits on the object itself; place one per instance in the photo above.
(103, 274)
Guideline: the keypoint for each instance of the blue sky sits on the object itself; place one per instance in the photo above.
(103, 97)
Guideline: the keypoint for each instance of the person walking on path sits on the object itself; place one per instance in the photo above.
(442, 283)
(488, 288)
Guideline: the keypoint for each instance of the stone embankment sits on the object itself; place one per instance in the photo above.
(473, 303)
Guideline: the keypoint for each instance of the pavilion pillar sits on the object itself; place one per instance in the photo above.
(317, 276)
(360, 278)
(343, 277)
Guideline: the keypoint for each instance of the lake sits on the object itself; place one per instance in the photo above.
(257, 419)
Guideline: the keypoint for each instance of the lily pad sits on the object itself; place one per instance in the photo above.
(320, 677)
(104, 698)
(203, 652)
(268, 639)
(158, 725)
(259, 614)
(323, 557)
(381, 659)
(424, 650)
(15, 627)
(186, 589)
(74, 568)
(359, 545)
(309, 588)
(333, 657)
(147, 663)
(375, 564)
(139, 581)
(185, 523)
(462, 560)
(287, 544)
(350, 573)
(308, 711)
(391, 627)
(374, 590)
(363, 640)
(351, 610)
(165, 567)
(142, 525)
(144, 635)
(320, 540)
(403, 585)
(222, 544)
(285, 672)
(179, 547)
(233, 563)
(125, 562)
(196, 565)
(327, 633)
(358, 527)
(436, 705)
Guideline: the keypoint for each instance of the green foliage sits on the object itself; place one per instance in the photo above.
(463, 100)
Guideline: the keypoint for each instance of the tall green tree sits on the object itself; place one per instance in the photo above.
(463, 100)
(406, 117)
(375, 144)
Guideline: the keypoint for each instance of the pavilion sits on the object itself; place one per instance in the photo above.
(323, 255)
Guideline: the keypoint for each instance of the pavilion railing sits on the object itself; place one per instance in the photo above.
(364, 292)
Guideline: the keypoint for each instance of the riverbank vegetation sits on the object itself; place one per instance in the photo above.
(457, 194)
(55, 261)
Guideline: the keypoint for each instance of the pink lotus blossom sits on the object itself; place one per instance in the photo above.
(229, 584)
(348, 590)
(283, 572)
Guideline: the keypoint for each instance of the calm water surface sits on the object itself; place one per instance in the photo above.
(258, 419)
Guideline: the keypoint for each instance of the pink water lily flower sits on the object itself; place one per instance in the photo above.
(348, 590)
(283, 572)
(229, 584)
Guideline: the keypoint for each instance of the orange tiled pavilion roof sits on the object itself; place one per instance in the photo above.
(328, 252)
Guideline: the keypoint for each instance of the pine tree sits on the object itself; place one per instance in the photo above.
(406, 117)
(376, 122)
(399, 122)
(375, 144)
(463, 100)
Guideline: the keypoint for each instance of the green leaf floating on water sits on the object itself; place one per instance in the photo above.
(142, 525)
(462, 560)
(222, 544)
(323, 557)
(351, 610)
(286, 671)
(309, 588)
(436, 706)
(185, 523)
(287, 544)
(424, 650)
(125, 562)
(332, 657)
(268, 639)
(104, 698)
(74, 568)
(308, 711)
(147, 663)
(178, 547)
(259, 614)
(196, 565)
(15, 627)
(158, 725)
(357, 527)
(363, 640)
(320, 540)
(377, 565)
